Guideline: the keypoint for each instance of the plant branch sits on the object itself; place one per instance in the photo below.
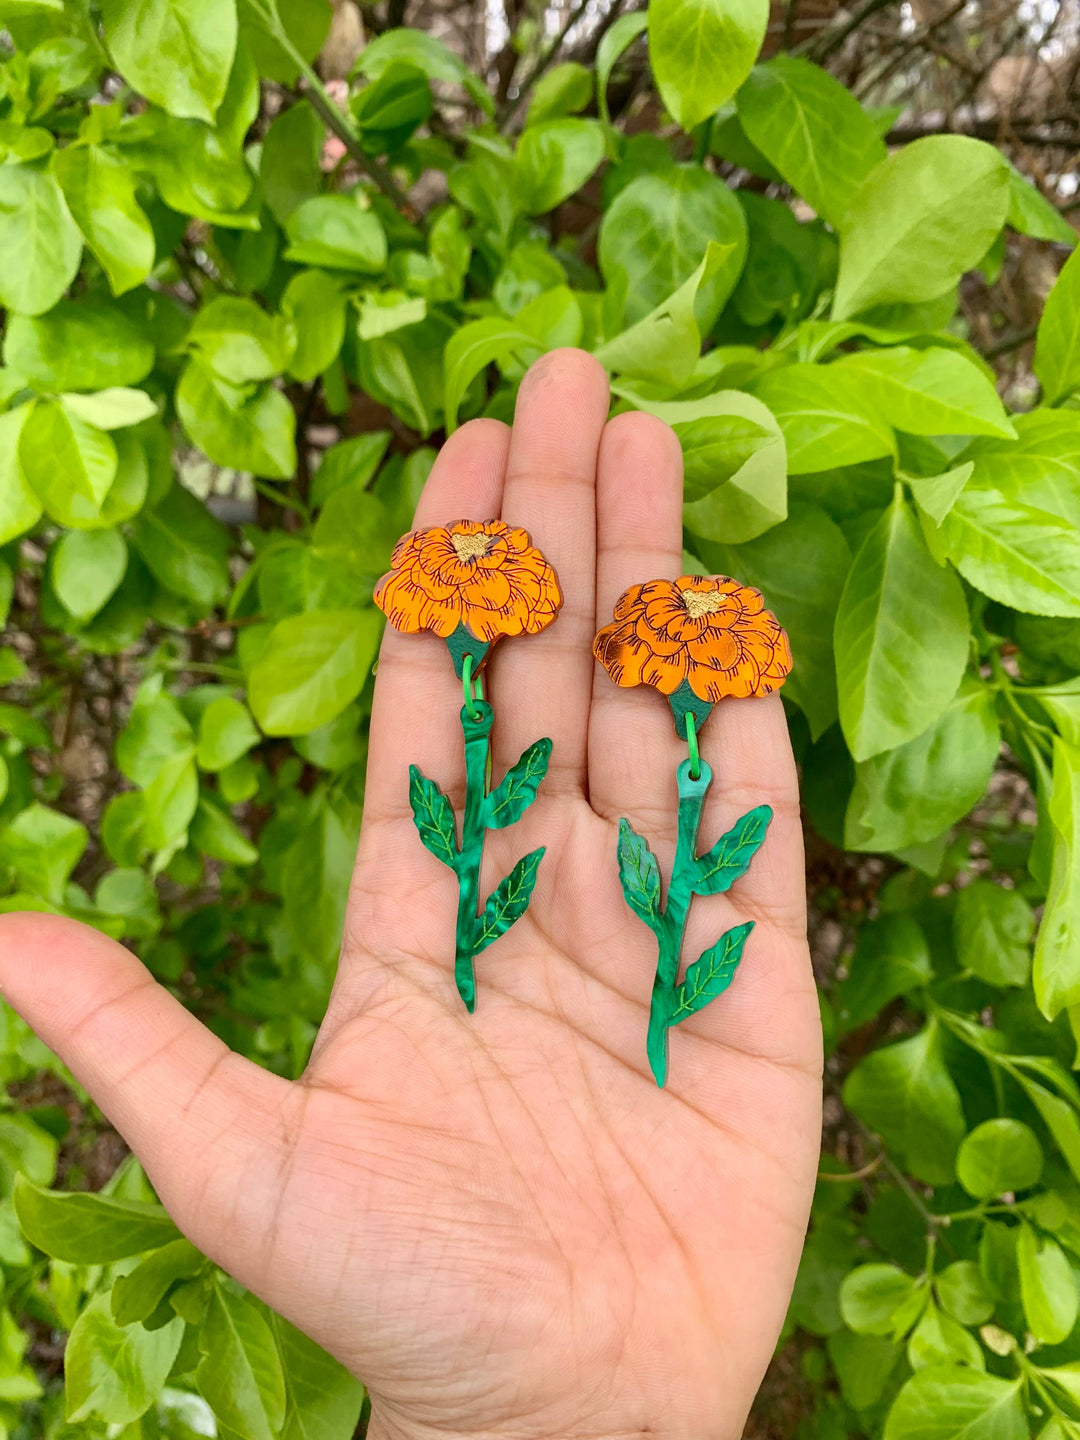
(823, 45)
(509, 111)
(1011, 342)
(332, 116)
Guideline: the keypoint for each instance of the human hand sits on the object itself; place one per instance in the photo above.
(497, 1221)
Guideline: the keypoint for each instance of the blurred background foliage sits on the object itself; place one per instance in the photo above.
(256, 258)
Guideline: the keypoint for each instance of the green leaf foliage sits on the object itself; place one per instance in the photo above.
(701, 51)
(901, 637)
(242, 307)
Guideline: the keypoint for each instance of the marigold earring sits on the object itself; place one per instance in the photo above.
(472, 583)
(697, 640)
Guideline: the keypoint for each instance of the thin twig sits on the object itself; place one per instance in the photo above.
(824, 44)
(1011, 342)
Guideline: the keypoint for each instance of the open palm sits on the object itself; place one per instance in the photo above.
(498, 1221)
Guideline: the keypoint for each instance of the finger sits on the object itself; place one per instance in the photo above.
(417, 697)
(206, 1123)
(633, 748)
(541, 685)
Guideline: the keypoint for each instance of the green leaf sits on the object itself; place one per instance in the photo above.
(110, 409)
(863, 1365)
(711, 974)
(349, 462)
(910, 795)
(89, 1229)
(391, 108)
(615, 40)
(315, 303)
(62, 455)
(473, 347)
(322, 1400)
(334, 232)
(100, 192)
(905, 1092)
(701, 51)
(891, 958)
(962, 1290)
(40, 244)
(289, 171)
(517, 789)
(240, 1375)
(433, 817)
(42, 847)
(318, 868)
(384, 311)
(1042, 468)
(871, 1295)
(921, 219)
(653, 237)
(664, 346)
(428, 54)
(226, 732)
(1030, 213)
(955, 1402)
(1025, 557)
(245, 428)
(939, 1340)
(178, 53)
(801, 566)
(185, 547)
(935, 495)
(992, 930)
(926, 392)
(169, 801)
(901, 637)
(812, 130)
(305, 22)
(508, 901)
(114, 1372)
(729, 859)
(566, 89)
(1056, 973)
(999, 1156)
(85, 344)
(239, 341)
(1057, 345)
(1047, 1286)
(136, 1295)
(734, 460)
(826, 417)
(157, 728)
(639, 875)
(131, 895)
(311, 667)
(20, 508)
(88, 565)
(554, 159)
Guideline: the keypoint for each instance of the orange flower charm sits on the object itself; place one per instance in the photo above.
(702, 630)
(484, 575)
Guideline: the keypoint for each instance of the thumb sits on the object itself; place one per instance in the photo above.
(206, 1124)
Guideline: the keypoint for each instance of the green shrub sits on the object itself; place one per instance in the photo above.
(204, 259)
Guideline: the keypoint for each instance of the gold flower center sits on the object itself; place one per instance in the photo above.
(469, 547)
(702, 602)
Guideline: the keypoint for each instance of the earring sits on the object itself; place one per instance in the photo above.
(697, 640)
(472, 583)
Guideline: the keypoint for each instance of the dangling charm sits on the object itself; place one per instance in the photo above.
(471, 583)
(697, 640)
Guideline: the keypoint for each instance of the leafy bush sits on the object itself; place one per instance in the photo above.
(207, 262)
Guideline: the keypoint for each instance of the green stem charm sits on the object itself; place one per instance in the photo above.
(484, 810)
(692, 874)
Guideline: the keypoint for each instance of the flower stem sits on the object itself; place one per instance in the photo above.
(673, 922)
(476, 732)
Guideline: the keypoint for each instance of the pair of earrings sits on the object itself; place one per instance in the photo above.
(697, 640)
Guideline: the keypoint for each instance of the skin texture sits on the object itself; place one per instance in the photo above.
(498, 1222)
